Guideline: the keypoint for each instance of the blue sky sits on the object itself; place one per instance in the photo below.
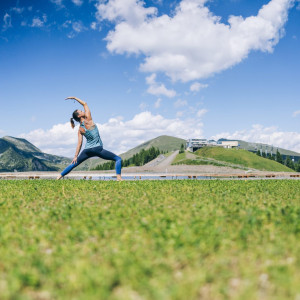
(184, 68)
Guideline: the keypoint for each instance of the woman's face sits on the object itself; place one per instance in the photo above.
(80, 113)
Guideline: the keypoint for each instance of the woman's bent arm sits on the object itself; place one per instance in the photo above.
(85, 106)
(74, 161)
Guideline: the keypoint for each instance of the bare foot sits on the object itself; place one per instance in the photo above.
(119, 178)
(58, 177)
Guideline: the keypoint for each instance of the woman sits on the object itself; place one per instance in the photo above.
(93, 146)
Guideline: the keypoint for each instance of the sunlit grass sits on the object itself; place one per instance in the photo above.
(150, 239)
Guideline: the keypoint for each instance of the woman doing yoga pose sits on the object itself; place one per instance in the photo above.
(93, 146)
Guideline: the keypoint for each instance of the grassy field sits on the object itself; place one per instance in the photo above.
(150, 239)
(242, 158)
(181, 159)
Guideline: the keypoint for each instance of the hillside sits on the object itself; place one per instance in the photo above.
(20, 155)
(163, 143)
(241, 157)
(265, 147)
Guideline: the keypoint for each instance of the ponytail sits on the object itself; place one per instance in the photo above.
(72, 123)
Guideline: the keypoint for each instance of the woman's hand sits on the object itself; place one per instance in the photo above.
(77, 99)
(71, 98)
(74, 161)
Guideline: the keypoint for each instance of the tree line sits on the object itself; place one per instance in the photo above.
(138, 159)
(278, 157)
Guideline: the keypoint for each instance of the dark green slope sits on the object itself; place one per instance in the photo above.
(21, 144)
(20, 155)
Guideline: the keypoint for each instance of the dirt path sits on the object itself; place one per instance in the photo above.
(168, 160)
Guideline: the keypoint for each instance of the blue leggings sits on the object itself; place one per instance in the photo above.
(96, 151)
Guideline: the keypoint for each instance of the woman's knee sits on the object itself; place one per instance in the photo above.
(118, 159)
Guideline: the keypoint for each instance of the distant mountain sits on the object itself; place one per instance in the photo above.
(163, 143)
(20, 155)
(265, 147)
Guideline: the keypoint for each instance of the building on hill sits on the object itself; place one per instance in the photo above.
(195, 144)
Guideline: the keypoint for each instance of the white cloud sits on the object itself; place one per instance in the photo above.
(269, 135)
(93, 25)
(78, 26)
(57, 2)
(197, 86)
(78, 2)
(17, 9)
(7, 21)
(192, 43)
(201, 112)
(117, 135)
(132, 11)
(296, 113)
(158, 89)
(180, 103)
(67, 23)
(39, 22)
(143, 106)
(157, 103)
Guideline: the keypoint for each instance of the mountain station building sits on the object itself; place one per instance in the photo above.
(194, 144)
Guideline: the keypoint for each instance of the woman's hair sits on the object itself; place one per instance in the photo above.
(75, 117)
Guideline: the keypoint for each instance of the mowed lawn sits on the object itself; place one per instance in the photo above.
(174, 239)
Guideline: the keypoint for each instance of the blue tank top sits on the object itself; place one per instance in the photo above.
(92, 136)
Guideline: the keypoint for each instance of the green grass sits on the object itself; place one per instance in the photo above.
(243, 158)
(181, 159)
(150, 239)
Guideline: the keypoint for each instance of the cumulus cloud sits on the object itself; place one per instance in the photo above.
(39, 22)
(158, 89)
(132, 12)
(180, 103)
(268, 135)
(78, 2)
(201, 112)
(59, 3)
(78, 26)
(192, 43)
(157, 103)
(17, 10)
(197, 86)
(75, 26)
(7, 21)
(143, 106)
(296, 113)
(117, 135)
(93, 25)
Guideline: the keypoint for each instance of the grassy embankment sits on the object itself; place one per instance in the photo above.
(150, 240)
(236, 158)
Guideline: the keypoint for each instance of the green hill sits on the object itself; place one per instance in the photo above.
(20, 155)
(163, 143)
(243, 158)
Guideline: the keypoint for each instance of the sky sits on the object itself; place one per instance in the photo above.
(186, 68)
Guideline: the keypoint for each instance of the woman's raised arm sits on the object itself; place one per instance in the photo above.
(85, 106)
